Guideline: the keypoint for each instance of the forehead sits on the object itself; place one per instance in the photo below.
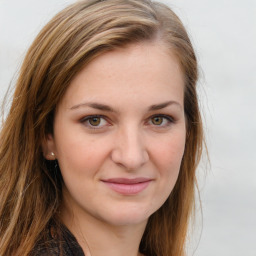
(143, 70)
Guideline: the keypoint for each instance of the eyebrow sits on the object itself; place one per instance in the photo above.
(95, 105)
(164, 105)
(104, 107)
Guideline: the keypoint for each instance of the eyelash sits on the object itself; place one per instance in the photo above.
(169, 120)
(86, 120)
(166, 118)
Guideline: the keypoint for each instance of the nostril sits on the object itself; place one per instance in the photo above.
(129, 149)
(130, 160)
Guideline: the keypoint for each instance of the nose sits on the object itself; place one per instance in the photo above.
(129, 149)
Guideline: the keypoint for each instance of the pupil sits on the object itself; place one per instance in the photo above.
(94, 121)
(157, 120)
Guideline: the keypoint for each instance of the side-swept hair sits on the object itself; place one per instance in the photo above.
(30, 195)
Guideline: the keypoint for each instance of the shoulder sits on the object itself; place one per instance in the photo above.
(56, 242)
(48, 245)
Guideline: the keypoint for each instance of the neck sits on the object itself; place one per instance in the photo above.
(98, 238)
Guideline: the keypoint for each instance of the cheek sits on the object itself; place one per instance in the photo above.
(80, 154)
(168, 155)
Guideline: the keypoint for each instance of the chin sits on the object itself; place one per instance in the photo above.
(127, 221)
(126, 216)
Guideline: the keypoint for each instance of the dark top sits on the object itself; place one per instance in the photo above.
(57, 243)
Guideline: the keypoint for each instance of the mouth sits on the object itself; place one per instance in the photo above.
(126, 186)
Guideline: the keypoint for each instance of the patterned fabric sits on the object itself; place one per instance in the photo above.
(59, 242)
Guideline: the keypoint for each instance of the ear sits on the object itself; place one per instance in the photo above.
(48, 147)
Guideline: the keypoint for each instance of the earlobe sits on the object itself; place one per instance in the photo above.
(48, 147)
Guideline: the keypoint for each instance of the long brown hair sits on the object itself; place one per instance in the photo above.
(30, 192)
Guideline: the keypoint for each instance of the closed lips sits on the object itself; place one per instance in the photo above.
(128, 186)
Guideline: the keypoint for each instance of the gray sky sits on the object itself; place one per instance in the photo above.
(224, 36)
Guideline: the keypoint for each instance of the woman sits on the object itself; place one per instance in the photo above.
(99, 151)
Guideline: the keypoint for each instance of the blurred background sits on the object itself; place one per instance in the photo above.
(223, 33)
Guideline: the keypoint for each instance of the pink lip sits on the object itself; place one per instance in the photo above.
(128, 186)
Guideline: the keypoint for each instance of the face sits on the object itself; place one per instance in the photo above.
(119, 134)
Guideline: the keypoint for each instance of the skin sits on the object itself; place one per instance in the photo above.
(135, 95)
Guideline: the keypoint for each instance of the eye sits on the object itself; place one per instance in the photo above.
(94, 122)
(161, 120)
(157, 120)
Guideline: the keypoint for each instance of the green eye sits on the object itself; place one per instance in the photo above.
(157, 120)
(94, 121)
